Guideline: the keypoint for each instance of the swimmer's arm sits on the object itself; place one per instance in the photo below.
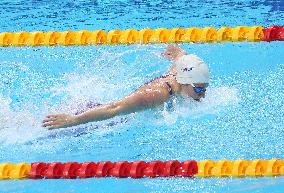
(172, 69)
(100, 113)
(65, 120)
(103, 112)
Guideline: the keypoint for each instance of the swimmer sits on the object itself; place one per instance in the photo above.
(187, 77)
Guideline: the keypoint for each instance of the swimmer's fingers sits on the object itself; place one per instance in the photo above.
(49, 119)
(58, 117)
(57, 121)
(54, 125)
(50, 123)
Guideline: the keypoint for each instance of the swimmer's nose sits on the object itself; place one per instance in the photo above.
(202, 95)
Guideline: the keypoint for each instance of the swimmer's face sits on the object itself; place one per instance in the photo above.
(188, 91)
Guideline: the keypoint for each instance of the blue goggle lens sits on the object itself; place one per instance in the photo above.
(199, 90)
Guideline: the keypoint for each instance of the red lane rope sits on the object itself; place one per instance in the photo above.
(121, 169)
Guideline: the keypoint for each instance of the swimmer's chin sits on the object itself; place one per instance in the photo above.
(190, 98)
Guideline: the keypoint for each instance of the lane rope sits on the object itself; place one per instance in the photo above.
(140, 169)
(144, 36)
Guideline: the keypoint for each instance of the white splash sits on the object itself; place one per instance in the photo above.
(216, 99)
(16, 126)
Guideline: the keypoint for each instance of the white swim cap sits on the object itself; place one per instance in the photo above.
(191, 69)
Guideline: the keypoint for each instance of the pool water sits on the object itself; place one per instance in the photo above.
(240, 118)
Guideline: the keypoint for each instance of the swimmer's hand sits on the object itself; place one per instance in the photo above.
(59, 121)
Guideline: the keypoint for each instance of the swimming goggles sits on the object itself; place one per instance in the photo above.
(198, 90)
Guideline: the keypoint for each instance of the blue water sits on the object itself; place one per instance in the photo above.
(241, 117)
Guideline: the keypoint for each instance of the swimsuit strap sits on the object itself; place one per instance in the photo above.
(170, 89)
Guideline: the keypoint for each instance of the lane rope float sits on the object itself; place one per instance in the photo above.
(144, 36)
(140, 169)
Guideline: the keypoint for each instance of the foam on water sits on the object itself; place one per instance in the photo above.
(16, 126)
